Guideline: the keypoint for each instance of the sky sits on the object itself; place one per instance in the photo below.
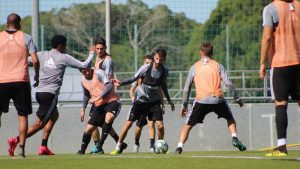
(198, 10)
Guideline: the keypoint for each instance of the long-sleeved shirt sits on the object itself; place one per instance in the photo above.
(208, 99)
(102, 77)
(145, 93)
(108, 66)
(53, 65)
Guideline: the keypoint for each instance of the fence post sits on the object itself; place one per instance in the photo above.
(35, 22)
(265, 87)
(243, 83)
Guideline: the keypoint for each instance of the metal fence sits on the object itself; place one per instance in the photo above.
(140, 26)
(246, 82)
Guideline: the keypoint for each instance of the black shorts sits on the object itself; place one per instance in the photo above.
(199, 111)
(152, 110)
(142, 121)
(47, 105)
(98, 112)
(20, 93)
(286, 82)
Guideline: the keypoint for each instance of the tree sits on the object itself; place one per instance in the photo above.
(244, 20)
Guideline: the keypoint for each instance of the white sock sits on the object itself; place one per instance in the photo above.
(233, 135)
(281, 142)
(180, 145)
(118, 146)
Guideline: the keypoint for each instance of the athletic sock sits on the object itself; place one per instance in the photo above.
(105, 130)
(180, 145)
(86, 138)
(281, 142)
(152, 141)
(137, 141)
(281, 121)
(44, 142)
(115, 137)
(118, 147)
(233, 135)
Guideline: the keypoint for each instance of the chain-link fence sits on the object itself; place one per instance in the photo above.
(140, 26)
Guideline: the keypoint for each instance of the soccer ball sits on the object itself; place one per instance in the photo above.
(161, 147)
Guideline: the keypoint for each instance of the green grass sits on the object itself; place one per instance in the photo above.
(187, 160)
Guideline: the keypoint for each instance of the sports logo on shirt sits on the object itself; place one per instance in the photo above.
(50, 64)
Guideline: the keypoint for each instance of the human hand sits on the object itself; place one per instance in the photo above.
(116, 82)
(172, 105)
(37, 81)
(92, 48)
(82, 112)
(262, 71)
(183, 112)
(239, 102)
(162, 109)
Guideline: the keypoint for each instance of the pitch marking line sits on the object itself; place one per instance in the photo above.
(151, 157)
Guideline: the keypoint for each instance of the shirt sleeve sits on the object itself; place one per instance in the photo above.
(134, 84)
(108, 87)
(72, 62)
(108, 67)
(166, 72)
(140, 73)
(187, 87)
(30, 44)
(86, 96)
(227, 81)
(270, 16)
(164, 88)
(101, 76)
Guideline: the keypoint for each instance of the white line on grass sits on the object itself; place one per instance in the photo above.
(148, 157)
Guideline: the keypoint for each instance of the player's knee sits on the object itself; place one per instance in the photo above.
(128, 124)
(89, 129)
(109, 118)
(281, 103)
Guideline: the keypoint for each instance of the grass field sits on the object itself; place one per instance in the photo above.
(187, 160)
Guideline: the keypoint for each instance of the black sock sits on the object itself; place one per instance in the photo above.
(152, 141)
(86, 138)
(18, 139)
(44, 142)
(281, 121)
(137, 141)
(115, 137)
(105, 130)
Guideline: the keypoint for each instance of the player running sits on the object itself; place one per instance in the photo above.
(99, 91)
(53, 66)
